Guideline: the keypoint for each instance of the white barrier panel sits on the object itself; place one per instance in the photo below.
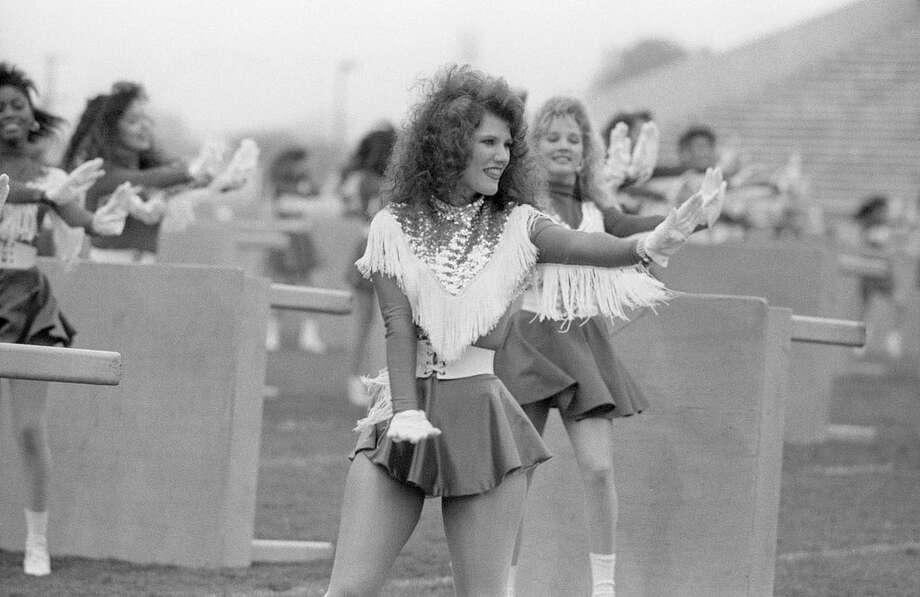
(698, 475)
(163, 468)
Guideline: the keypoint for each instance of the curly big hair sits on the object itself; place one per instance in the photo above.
(589, 185)
(48, 124)
(435, 145)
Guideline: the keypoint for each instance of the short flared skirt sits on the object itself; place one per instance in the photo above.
(485, 436)
(573, 368)
(29, 313)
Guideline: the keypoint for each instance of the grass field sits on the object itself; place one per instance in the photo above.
(849, 521)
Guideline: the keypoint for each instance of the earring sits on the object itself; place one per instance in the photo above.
(34, 126)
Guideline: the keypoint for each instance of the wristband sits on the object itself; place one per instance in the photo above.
(642, 252)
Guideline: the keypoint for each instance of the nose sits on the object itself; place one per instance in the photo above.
(503, 154)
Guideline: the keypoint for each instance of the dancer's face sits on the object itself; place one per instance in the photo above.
(562, 148)
(491, 152)
(16, 116)
(135, 127)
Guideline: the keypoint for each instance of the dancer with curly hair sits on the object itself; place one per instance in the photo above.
(454, 246)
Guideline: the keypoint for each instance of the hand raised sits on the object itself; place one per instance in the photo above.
(645, 154)
(4, 189)
(77, 182)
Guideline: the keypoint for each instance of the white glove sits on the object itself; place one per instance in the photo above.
(670, 235)
(240, 169)
(645, 153)
(4, 189)
(618, 157)
(411, 426)
(208, 162)
(77, 182)
(109, 219)
(713, 192)
(148, 212)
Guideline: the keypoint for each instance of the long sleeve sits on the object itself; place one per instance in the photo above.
(620, 224)
(558, 244)
(400, 342)
(159, 177)
(21, 193)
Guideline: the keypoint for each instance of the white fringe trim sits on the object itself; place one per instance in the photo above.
(567, 292)
(453, 322)
(381, 410)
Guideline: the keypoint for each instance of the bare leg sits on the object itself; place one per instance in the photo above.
(480, 535)
(592, 443)
(29, 405)
(378, 516)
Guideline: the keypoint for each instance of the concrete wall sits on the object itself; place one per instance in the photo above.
(802, 277)
(698, 475)
(163, 468)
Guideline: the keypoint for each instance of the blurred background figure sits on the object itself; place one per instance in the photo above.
(632, 198)
(290, 187)
(362, 198)
(876, 238)
(117, 128)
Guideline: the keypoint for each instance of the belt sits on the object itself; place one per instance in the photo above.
(17, 255)
(473, 361)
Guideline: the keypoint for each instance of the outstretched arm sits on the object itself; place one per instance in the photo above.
(558, 244)
(620, 224)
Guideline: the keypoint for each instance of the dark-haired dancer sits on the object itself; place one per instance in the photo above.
(454, 246)
(574, 367)
(117, 128)
(29, 313)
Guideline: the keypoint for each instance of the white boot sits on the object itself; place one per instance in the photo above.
(309, 337)
(36, 562)
(273, 334)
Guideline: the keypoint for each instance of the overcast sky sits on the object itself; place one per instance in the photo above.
(228, 65)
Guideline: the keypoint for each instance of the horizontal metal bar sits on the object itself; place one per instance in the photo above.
(821, 330)
(52, 363)
(308, 298)
(858, 265)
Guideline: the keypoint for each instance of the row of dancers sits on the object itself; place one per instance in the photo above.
(111, 188)
(478, 212)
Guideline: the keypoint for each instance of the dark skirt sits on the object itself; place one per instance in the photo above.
(485, 436)
(574, 369)
(29, 313)
(295, 263)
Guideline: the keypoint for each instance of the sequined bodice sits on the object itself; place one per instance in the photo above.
(455, 242)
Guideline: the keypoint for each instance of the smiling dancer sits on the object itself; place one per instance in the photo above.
(29, 314)
(455, 244)
(574, 368)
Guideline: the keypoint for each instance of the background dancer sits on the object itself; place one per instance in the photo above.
(29, 313)
(576, 369)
